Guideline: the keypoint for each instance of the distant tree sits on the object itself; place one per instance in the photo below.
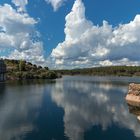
(22, 65)
(34, 67)
(51, 75)
(29, 63)
(39, 67)
(46, 68)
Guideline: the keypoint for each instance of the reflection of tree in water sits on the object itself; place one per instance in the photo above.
(2, 90)
(30, 82)
(2, 87)
(88, 104)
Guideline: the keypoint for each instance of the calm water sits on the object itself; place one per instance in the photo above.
(71, 108)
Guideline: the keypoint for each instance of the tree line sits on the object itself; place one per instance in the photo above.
(102, 71)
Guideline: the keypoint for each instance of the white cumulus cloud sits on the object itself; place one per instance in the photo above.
(55, 3)
(88, 45)
(18, 34)
(21, 4)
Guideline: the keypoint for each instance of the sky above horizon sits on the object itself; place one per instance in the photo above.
(71, 33)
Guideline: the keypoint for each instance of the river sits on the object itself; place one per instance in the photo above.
(70, 108)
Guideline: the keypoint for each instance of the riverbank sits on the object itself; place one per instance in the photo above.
(21, 70)
(104, 71)
(133, 96)
(18, 70)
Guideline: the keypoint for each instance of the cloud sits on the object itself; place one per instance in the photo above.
(21, 4)
(55, 3)
(18, 35)
(88, 45)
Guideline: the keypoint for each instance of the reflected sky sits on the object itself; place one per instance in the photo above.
(67, 109)
(89, 102)
(17, 104)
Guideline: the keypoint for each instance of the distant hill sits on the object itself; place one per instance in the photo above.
(103, 71)
(19, 69)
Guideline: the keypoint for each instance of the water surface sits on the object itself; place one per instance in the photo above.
(71, 108)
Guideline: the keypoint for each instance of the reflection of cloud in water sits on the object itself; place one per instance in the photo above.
(87, 104)
(17, 110)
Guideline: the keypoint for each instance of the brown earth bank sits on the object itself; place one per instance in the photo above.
(133, 96)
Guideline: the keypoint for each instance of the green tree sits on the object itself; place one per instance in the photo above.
(51, 75)
(22, 65)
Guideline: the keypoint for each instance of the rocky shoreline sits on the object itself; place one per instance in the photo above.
(133, 96)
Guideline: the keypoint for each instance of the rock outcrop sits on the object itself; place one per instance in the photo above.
(133, 96)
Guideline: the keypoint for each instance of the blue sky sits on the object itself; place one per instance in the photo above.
(42, 38)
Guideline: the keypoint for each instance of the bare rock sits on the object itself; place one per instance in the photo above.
(133, 95)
